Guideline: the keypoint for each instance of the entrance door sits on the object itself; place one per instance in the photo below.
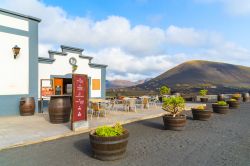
(58, 86)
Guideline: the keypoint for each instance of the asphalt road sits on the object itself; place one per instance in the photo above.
(223, 140)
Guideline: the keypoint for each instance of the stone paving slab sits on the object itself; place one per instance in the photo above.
(24, 130)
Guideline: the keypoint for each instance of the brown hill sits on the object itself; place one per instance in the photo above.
(197, 73)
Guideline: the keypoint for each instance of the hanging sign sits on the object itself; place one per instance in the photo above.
(79, 101)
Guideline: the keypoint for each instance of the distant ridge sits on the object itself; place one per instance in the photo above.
(198, 72)
(123, 83)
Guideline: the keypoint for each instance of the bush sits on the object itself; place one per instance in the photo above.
(221, 103)
(236, 95)
(174, 105)
(107, 131)
(200, 107)
(203, 92)
(232, 100)
(164, 90)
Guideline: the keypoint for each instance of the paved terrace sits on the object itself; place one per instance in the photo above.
(24, 130)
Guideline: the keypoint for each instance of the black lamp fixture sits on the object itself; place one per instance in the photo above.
(16, 51)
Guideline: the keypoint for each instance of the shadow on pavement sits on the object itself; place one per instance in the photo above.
(83, 146)
(190, 117)
(155, 125)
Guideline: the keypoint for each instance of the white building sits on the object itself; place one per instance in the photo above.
(19, 76)
(58, 68)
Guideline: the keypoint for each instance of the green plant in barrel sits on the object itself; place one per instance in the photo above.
(174, 105)
(222, 103)
(109, 142)
(164, 90)
(109, 131)
(200, 108)
(203, 92)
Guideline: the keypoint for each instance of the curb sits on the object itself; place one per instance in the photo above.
(73, 133)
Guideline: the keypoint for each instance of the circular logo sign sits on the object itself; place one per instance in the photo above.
(72, 61)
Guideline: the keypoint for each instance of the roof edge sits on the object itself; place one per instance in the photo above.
(20, 15)
(63, 47)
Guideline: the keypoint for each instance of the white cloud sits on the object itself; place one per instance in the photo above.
(132, 52)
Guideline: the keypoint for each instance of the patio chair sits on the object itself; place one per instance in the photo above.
(113, 104)
(125, 105)
(132, 104)
(153, 102)
(145, 103)
(97, 109)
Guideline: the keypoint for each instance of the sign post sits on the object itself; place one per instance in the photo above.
(79, 102)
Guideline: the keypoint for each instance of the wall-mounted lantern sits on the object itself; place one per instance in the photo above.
(16, 51)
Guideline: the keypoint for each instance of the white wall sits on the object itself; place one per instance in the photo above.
(14, 72)
(14, 22)
(61, 66)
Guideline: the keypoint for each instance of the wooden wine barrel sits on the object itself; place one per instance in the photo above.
(201, 114)
(27, 106)
(59, 108)
(233, 104)
(109, 148)
(174, 123)
(245, 97)
(220, 109)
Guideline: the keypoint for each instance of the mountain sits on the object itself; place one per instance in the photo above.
(123, 83)
(198, 74)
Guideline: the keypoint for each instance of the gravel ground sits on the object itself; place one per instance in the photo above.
(223, 140)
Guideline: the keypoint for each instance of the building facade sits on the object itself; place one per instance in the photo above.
(19, 76)
(59, 68)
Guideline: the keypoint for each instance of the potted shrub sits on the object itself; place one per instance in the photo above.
(174, 105)
(220, 107)
(203, 93)
(201, 113)
(164, 90)
(233, 103)
(109, 142)
(236, 96)
(245, 97)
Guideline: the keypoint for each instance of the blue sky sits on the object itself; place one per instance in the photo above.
(162, 13)
(140, 39)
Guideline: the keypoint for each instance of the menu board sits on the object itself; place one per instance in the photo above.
(46, 87)
(79, 100)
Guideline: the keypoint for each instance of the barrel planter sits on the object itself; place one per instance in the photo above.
(221, 97)
(188, 98)
(233, 104)
(27, 106)
(109, 148)
(236, 98)
(199, 114)
(59, 109)
(220, 109)
(174, 123)
(245, 97)
(204, 99)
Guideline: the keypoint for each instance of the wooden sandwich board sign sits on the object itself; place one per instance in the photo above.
(79, 102)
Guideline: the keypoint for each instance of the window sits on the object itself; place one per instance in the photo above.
(96, 84)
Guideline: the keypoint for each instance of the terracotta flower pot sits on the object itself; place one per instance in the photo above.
(201, 114)
(220, 109)
(109, 148)
(174, 123)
